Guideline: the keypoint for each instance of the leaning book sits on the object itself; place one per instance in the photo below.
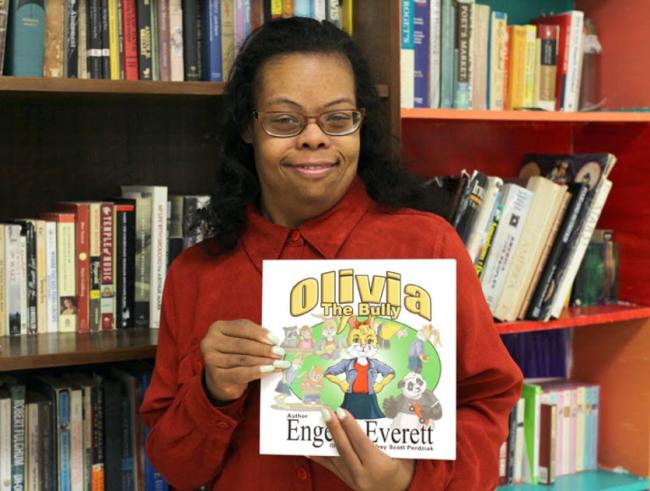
(374, 337)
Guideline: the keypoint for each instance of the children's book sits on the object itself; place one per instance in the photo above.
(374, 337)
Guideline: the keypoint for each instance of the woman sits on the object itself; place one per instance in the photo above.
(305, 173)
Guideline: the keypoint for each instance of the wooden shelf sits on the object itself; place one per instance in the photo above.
(600, 480)
(141, 87)
(62, 349)
(530, 116)
(579, 316)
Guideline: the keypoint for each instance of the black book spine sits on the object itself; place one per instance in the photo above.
(192, 39)
(143, 9)
(266, 6)
(473, 206)
(17, 436)
(94, 38)
(47, 444)
(112, 428)
(545, 289)
(106, 50)
(30, 242)
(71, 38)
(125, 268)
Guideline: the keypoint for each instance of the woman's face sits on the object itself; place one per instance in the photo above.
(304, 175)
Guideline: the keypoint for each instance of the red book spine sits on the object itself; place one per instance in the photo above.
(82, 247)
(130, 32)
(106, 268)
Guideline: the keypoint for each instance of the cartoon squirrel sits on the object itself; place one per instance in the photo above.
(361, 383)
(415, 406)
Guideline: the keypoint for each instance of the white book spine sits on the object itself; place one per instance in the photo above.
(517, 202)
(580, 429)
(578, 253)
(407, 56)
(575, 46)
(66, 277)
(22, 280)
(319, 9)
(41, 276)
(5, 444)
(12, 265)
(51, 274)
(481, 225)
(76, 441)
(3, 284)
(176, 40)
(32, 462)
(434, 53)
(519, 441)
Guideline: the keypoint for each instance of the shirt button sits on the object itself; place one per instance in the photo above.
(294, 236)
(302, 474)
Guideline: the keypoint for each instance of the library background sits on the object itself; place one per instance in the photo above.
(532, 116)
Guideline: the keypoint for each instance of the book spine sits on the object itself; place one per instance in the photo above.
(145, 69)
(227, 37)
(94, 290)
(12, 260)
(191, 40)
(333, 11)
(3, 286)
(31, 276)
(72, 39)
(76, 440)
(164, 64)
(4, 14)
(479, 53)
(97, 470)
(22, 275)
(516, 75)
(242, 21)
(497, 61)
(114, 39)
(5, 443)
(319, 9)
(25, 39)
(489, 237)
(53, 54)
(506, 239)
(65, 245)
(63, 439)
(580, 428)
(434, 53)
(41, 276)
(574, 62)
(447, 35)
(18, 439)
(540, 301)
(462, 48)
(407, 55)
(530, 64)
(94, 39)
(107, 273)
(130, 28)
(52, 283)
(421, 13)
(155, 62)
(548, 65)
(212, 43)
(474, 206)
(82, 44)
(176, 40)
(569, 273)
(159, 253)
(45, 423)
(106, 40)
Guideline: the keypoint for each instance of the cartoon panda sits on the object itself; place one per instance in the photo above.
(415, 407)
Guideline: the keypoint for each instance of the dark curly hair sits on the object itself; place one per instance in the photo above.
(237, 182)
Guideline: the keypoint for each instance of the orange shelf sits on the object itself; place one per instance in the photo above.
(579, 316)
(532, 116)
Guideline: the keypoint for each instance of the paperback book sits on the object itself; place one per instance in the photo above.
(374, 337)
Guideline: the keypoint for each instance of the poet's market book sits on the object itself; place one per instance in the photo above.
(374, 337)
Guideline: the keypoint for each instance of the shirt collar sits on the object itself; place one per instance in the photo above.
(326, 233)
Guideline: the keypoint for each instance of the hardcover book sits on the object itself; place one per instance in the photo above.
(374, 337)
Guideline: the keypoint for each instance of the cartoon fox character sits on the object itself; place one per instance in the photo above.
(362, 371)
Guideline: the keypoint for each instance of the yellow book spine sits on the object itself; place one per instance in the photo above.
(276, 8)
(114, 39)
(516, 72)
(530, 60)
(347, 18)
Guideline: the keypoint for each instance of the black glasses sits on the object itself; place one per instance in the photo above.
(285, 124)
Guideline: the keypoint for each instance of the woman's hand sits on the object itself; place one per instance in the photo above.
(237, 352)
(361, 465)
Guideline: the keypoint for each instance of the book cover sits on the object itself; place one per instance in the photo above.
(4, 14)
(387, 319)
(25, 38)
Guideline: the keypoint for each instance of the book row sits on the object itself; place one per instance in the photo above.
(464, 55)
(527, 236)
(168, 40)
(76, 430)
(94, 265)
(553, 432)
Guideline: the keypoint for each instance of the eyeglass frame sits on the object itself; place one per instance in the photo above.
(259, 115)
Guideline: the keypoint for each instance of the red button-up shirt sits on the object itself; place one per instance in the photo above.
(193, 443)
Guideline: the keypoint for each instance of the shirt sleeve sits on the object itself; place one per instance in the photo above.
(489, 384)
(186, 427)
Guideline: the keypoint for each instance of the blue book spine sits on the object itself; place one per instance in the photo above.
(447, 55)
(421, 45)
(64, 440)
(302, 8)
(212, 44)
(25, 39)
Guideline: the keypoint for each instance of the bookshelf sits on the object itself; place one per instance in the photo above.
(82, 139)
(612, 344)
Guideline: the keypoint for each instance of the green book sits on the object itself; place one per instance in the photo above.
(532, 394)
(25, 39)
